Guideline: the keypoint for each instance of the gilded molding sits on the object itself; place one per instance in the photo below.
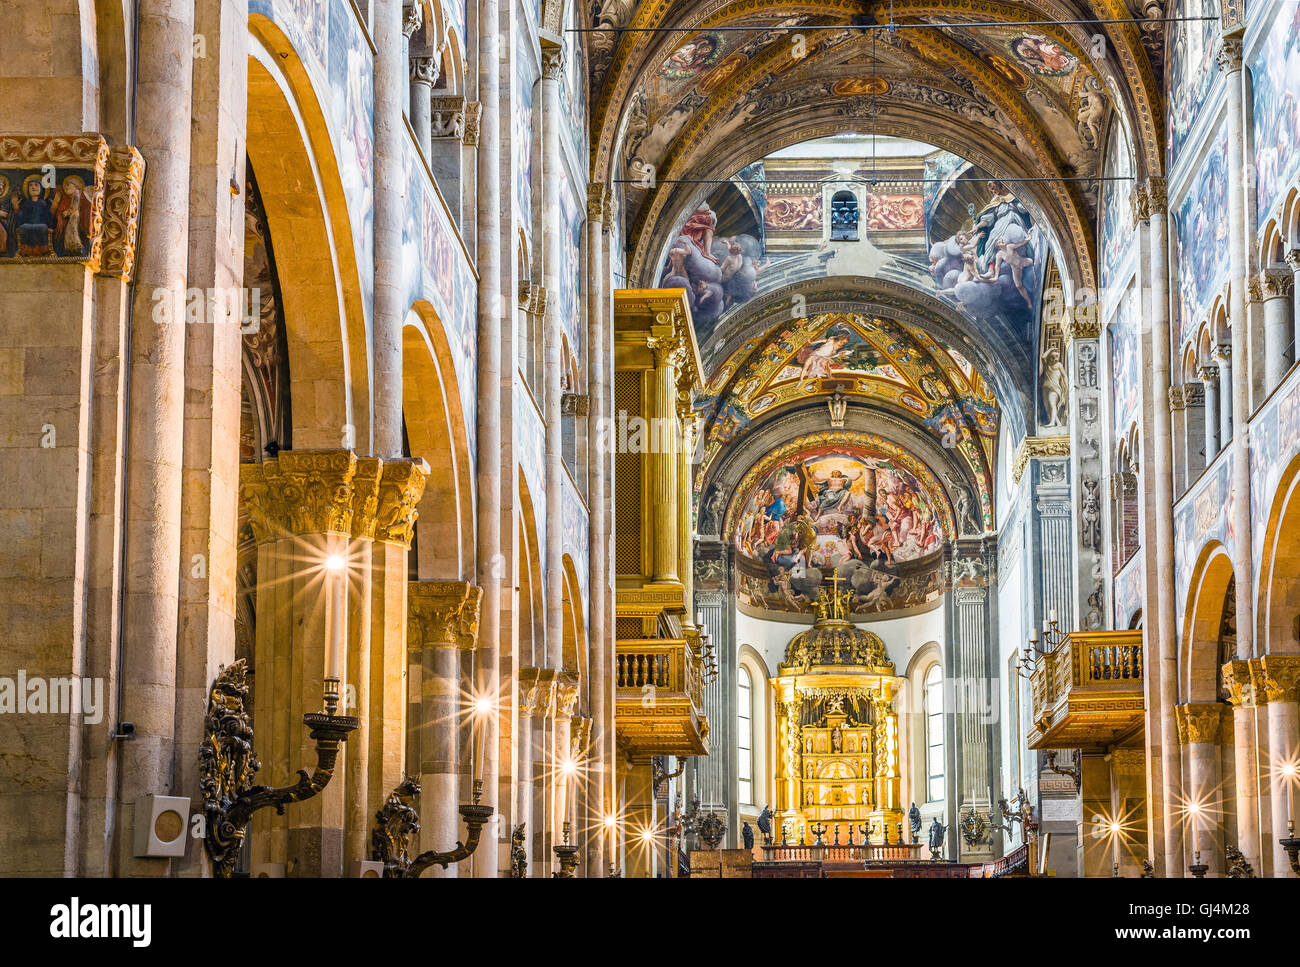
(1280, 675)
(121, 213)
(1198, 722)
(1035, 447)
(442, 613)
(1081, 326)
(400, 488)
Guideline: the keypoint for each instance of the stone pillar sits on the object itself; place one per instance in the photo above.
(1095, 846)
(1293, 264)
(1277, 286)
(443, 621)
(390, 190)
(538, 754)
(1210, 380)
(1130, 804)
(300, 507)
(1152, 207)
(155, 418)
(970, 678)
(210, 461)
(491, 564)
(1239, 239)
(529, 693)
(1280, 676)
(1187, 416)
(663, 460)
(424, 74)
(1244, 699)
(1223, 354)
(555, 365)
(564, 787)
(685, 514)
(1198, 734)
(601, 642)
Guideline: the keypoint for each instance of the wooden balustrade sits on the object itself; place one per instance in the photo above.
(1088, 691)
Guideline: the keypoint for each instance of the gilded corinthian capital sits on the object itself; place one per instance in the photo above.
(1198, 722)
(400, 488)
(1280, 676)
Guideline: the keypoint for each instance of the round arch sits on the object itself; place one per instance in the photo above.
(1198, 659)
(436, 430)
(290, 150)
(529, 607)
(1279, 572)
(574, 650)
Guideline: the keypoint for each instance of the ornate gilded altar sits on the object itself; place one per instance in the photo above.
(837, 731)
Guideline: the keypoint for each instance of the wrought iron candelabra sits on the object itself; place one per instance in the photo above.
(1292, 846)
(398, 821)
(1052, 638)
(228, 763)
(567, 854)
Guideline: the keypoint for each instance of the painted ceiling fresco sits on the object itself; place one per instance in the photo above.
(877, 360)
(848, 506)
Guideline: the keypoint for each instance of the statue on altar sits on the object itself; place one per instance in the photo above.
(937, 831)
(764, 823)
(914, 821)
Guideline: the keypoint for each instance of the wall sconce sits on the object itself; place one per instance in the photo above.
(398, 821)
(1073, 770)
(974, 827)
(227, 765)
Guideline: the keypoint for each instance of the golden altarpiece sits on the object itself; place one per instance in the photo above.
(837, 731)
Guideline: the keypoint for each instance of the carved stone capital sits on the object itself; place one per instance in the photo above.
(442, 613)
(1198, 722)
(299, 492)
(473, 110)
(579, 737)
(1148, 198)
(1183, 395)
(425, 70)
(598, 201)
(1280, 676)
(365, 496)
(536, 691)
(1034, 447)
(1238, 683)
(413, 19)
(120, 222)
(1208, 374)
(575, 404)
(566, 695)
(447, 116)
(1128, 763)
(552, 61)
(1222, 351)
(1081, 325)
(1293, 259)
(400, 489)
(1276, 283)
(1258, 685)
(1228, 54)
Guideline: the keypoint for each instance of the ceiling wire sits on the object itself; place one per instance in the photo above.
(891, 27)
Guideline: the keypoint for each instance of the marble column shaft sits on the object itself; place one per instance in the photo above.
(1198, 734)
(391, 74)
(1279, 675)
(1277, 287)
(1213, 424)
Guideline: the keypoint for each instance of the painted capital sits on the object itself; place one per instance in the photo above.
(400, 489)
(442, 613)
(1280, 676)
(299, 492)
(552, 61)
(1198, 722)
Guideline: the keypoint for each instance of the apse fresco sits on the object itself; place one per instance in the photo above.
(1191, 66)
(1275, 74)
(1201, 225)
(875, 519)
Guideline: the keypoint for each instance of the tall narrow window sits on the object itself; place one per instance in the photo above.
(934, 733)
(744, 732)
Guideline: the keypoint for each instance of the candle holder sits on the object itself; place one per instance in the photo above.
(974, 828)
(613, 873)
(1292, 846)
(1198, 869)
(567, 855)
(228, 763)
(818, 830)
(398, 821)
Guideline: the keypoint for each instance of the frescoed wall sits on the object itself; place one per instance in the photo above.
(1125, 364)
(522, 145)
(1275, 74)
(1203, 515)
(1274, 443)
(1116, 246)
(1128, 589)
(1201, 226)
(1191, 68)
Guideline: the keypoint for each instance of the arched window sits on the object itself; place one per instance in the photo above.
(745, 733)
(933, 699)
(844, 217)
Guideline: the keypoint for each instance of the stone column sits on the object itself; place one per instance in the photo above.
(970, 677)
(390, 190)
(1276, 287)
(1223, 354)
(1198, 734)
(155, 418)
(1280, 676)
(552, 342)
(443, 621)
(1130, 804)
(663, 459)
(543, 704)
(685, 514)
(1187, 416)
(424, 74)
(601, 643)
(491, 564)
(1210, 380)
(529, 694)
(1244, 699)
(300, 507)
(1239, 239)
(563, 787)
(1293, 264)
(1162, 694)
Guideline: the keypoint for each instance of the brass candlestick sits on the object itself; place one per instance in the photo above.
(567, 855)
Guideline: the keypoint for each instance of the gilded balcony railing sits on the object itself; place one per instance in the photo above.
(660, 691)
(1088, 690)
